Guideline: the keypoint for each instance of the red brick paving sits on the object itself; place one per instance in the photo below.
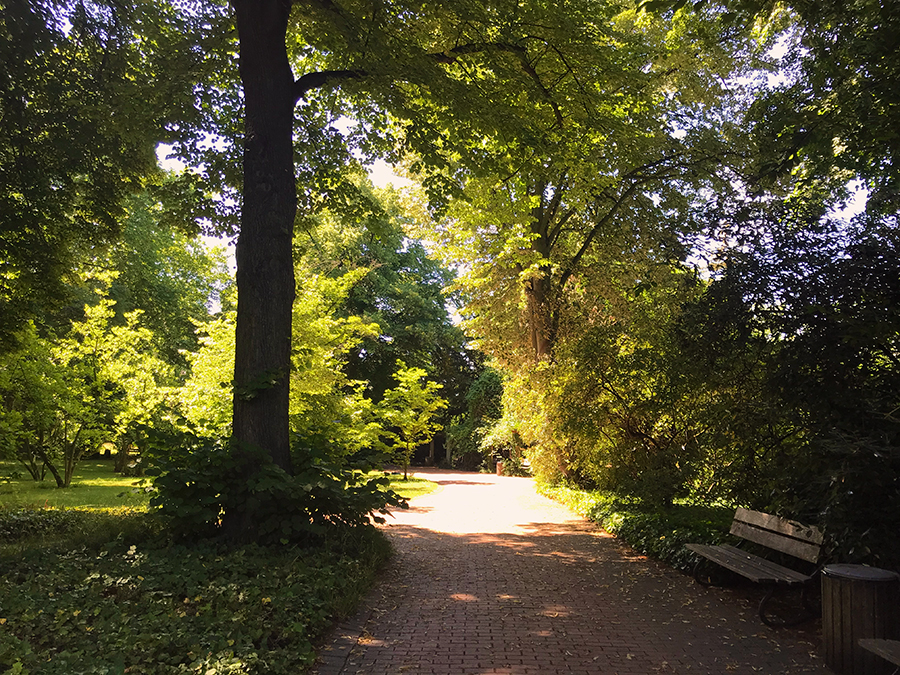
(490, 577)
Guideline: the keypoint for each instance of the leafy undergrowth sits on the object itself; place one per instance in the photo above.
(136, 605)
(660, 533)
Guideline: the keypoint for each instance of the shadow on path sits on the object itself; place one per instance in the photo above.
(518, 585)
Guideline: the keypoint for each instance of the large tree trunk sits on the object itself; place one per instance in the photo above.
(539, 288)
(265, 273)
(540, 317)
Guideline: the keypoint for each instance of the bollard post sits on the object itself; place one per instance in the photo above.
(858, 602)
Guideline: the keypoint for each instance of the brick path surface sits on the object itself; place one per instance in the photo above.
(490, 577)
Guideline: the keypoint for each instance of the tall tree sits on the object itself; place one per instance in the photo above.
(87, 91)
(481, 67)
(606, 196)
(171, 276)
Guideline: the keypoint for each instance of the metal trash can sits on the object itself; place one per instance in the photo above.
(858, 602)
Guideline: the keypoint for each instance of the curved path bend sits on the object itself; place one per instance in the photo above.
(490, 577)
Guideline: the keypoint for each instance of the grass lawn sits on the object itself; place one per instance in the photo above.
(95, 486)
(412, 488)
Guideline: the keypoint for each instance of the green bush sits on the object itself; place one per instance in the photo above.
(18, 524)
(201, 482)
(66, 528)
(657, 532)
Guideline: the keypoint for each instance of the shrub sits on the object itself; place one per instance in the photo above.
(201, 482)
(660, 533)
(24, 528)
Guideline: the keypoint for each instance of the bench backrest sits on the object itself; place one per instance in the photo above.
(778, 534)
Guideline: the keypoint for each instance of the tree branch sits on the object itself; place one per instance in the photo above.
(303, 85)
(617, 204)
(557, 230)
(306, 83)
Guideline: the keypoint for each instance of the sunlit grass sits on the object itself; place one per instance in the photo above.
(95, 487)
(413, 487)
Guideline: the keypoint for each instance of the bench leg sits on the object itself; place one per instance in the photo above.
(708, 574)
(809, 611)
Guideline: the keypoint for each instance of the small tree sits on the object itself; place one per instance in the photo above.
(409, 410)
(31, 389)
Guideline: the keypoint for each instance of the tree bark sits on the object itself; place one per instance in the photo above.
(539, 289)
(540, 316)
(265, 272)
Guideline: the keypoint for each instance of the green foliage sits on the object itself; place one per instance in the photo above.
(172, 277)
(89, 89)
(159, 609)
(201, 482)
(392, 290)
(463, 441)
(205, 399)
(328, 409)
(25, 531)
(108, 382)
(409, 411)
(30, 386)
(660, 533)
(466, 433)
(834, 117)
(20, 524)
(615, 399)
(817, 316)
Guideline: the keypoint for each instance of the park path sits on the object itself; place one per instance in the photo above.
(490, 577)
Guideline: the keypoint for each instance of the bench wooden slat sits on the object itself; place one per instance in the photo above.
(776, 541)
(790, 528)
(777, 534)
(889, 650)
(751, 566)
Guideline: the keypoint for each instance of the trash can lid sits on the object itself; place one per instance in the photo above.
(860, 572)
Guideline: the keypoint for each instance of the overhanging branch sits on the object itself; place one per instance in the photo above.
(307, 83)
(310, 81)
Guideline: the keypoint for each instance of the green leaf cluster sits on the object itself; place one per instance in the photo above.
(410, 411)
(660, 533)
(65, 396)
(201, 482)
(88, 91)
(154, 609)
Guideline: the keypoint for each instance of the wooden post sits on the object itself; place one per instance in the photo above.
(858, 602)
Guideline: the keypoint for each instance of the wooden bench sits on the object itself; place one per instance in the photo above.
(774, 533)
(889, 650)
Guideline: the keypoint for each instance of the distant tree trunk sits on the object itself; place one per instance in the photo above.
(539, 288)
(30, 460)
(45, 458)
(122, 454)
(540, 317)
(265, 271)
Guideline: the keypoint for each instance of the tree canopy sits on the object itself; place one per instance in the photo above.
(88, 91)
(640, 205)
